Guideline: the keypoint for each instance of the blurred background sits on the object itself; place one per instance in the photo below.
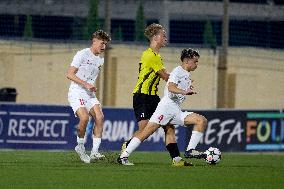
(241, 43)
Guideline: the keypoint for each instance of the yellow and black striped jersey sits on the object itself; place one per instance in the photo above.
(148, 78)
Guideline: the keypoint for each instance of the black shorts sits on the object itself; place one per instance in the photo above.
(144, 105)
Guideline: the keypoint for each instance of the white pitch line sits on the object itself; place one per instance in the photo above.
(35, 142)
(41, 114)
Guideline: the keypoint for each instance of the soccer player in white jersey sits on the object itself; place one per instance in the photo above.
(169, 111)
(83, 72)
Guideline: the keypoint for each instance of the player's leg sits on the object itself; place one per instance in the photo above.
(77, 101)
(136, 141)
(141, 125)
(165, 113)
(97, 113)
(172, 147)
(170, 141)
(83, 116)
(199, 123)
(161, 116)
(143, 106)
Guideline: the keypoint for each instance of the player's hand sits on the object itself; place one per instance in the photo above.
(190, 91)
(90, 87)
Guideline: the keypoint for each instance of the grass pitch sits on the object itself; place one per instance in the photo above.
(64, 170)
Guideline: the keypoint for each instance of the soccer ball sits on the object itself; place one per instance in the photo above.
(213, 155)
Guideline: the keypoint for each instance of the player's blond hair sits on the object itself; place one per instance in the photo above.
(101, 35)
(152, 30)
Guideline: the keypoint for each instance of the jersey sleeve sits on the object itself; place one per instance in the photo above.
(157, 64)
(77, 60)
(174, 77)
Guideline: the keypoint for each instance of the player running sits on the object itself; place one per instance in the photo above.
(169, 111)
(83, 72)
(145, 93)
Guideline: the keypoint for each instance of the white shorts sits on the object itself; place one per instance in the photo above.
(81, 98)
(168, 112)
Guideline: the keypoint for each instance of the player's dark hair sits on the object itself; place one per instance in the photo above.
(101, 35)
(189, 53)
(152, 29)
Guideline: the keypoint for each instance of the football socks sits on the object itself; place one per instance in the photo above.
(134, 143)
(173, 150)
(96, 144)
(194, 140)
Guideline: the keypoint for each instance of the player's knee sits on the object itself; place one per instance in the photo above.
(84, 120)
(142, 124)
(100, 118)
(201, 123)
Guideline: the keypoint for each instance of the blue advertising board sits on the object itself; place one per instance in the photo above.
(54, 127)
(225, 130)
(243, 130)
(36, 126)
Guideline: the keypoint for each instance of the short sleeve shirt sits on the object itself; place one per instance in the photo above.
(180, 77)
(88, 65)
(148, 78)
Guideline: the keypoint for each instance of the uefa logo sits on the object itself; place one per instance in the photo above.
(1, 126)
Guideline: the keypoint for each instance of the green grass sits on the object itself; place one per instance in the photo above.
(45, 169)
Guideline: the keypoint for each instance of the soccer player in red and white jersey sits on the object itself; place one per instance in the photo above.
(83, 72)
(169, 111)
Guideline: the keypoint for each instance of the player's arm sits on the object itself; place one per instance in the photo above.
(163, 74)
(71, 74)
(158, 67)
(172, 87)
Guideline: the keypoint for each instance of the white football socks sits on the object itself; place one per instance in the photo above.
(177, 159)
(96, 144)
(85, 138)
(134, 143)
(80, 141)
(194, 140)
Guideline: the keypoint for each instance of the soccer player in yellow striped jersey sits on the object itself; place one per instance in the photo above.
(149, 67)
(145, 93)
(169, 110)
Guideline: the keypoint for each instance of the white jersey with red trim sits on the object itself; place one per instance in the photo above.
(88, 65)
(181, 77)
